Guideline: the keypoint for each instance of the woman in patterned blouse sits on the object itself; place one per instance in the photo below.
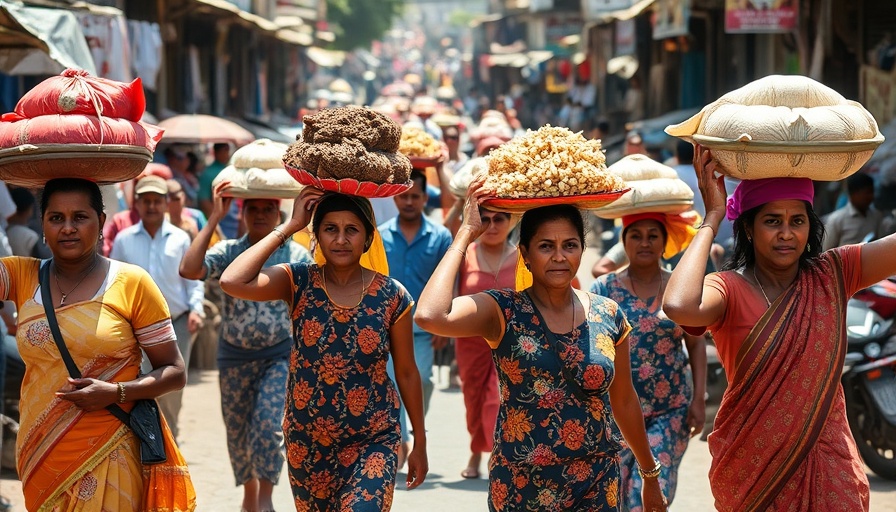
(557, 351)
(341, 420)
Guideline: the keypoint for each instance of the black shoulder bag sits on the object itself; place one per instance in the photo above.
(552, 340)
(144, 418)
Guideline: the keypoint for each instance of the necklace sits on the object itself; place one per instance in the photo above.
(323, 271)
(761, 289)
(66, 294)
(635, 292)
(494, 271)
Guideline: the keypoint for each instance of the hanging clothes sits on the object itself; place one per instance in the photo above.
(107, 37)
(146, 51)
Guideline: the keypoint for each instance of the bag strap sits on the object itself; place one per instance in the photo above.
(552, 340)
(50, 312)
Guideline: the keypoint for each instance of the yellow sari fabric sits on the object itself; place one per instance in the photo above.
(69, 459)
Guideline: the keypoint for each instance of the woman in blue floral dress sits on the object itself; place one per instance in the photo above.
(253, 350)
(666, 384)
(341, 421)
(563, 381)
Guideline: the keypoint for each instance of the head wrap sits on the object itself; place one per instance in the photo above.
(752, 193)
(680, 228)
(374, 258)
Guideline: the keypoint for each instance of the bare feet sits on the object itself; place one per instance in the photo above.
(472, 469)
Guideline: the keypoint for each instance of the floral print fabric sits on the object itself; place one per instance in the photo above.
(662, 378)
(552, 451)
(341, 419)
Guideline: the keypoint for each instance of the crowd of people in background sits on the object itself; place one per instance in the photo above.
(448, 259)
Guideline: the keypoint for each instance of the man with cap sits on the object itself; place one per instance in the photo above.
(158, 246)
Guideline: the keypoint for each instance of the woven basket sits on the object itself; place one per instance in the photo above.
(32, 166)
(784, 126)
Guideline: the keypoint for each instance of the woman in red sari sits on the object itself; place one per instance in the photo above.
(781, 440)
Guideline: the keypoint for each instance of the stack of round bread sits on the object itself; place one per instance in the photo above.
(353, 150)
(654, 188)
(784, 126)
(256, 172)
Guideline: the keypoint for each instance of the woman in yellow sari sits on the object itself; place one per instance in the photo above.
(72, 453)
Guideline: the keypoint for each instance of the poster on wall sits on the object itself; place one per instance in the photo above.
(760, 16)
(671, 18)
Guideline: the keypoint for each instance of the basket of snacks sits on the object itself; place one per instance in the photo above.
(784, 126)
(351, 150)
(655, 188)
(256, 172)
(550, 166)
(421, 148)
(77, 126)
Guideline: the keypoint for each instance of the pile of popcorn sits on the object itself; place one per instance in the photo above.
(416, 142)
(549, 162)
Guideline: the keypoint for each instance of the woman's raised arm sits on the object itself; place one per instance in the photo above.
(245, 278)
(687, 300)
(438, 311)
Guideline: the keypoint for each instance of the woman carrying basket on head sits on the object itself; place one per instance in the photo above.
(341, 422)
(72, 453)
(562, 358)
(670, 382)
(777, 312)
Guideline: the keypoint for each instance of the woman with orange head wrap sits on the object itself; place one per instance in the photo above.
(670, 390)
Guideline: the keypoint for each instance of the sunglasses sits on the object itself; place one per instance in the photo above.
(452, 137)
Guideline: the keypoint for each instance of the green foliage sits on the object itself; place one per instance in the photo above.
(357, 23)
(461, 18)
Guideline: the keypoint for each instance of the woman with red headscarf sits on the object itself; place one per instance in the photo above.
(670, 382)
(781, 439)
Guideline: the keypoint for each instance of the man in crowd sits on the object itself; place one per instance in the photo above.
(158, 246)
(414, 246)
(858, 218)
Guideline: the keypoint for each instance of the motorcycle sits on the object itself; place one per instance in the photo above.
(869, 375)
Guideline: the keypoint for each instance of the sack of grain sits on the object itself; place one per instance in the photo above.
(256, 171)
(784, 126)
(654, 188)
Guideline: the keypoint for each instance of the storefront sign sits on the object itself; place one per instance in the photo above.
(760, 16)
(671, 18)
(625, 38)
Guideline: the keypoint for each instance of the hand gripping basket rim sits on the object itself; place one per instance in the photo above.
(31, 166)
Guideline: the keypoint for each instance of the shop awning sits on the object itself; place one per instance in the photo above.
(623, 14)
(284, 30)
(41, 41)
(326, 58)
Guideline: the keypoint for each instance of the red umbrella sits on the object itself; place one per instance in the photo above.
(199, 128)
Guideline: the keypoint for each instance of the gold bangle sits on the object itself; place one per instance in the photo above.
(121, 396)
(653, 473)
(463, 254)
(701, 226)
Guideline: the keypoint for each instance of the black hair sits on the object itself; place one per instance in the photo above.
(89, 188)
(662, 230)
(684, 151)
(23, 198)
(859, 182)
(419, 175)
(220, 145)
(603, 125)
(744, 255)
(533, 219)
(341, 203)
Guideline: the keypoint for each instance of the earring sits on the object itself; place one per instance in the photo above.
(527, 265)
(101, 237)
(808, 247)
(45, 240)
(750, 239)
